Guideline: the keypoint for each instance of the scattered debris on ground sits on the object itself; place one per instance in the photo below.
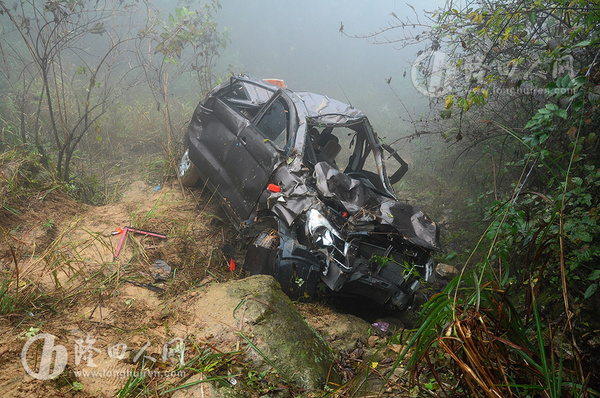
(163, 303)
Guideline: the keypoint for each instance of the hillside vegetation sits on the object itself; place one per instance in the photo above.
(507, 160)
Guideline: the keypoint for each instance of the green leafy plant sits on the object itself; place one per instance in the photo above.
(49, 224)
(77, 386)
(592, 288)
(187, 40)
(521, 88)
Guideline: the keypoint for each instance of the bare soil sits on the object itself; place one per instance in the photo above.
(60, 255)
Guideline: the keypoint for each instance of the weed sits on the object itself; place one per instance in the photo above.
(77, 386)
(7, 302)
(48, 225)
(134, 386)
(474, 328)
(202, 359)
(261, 382)
(22, 177)
(31, 332)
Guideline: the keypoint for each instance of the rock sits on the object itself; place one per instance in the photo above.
(340, 331)
(446, 271)
(372, 342)
(256, 310)
(381, 326)
(161, 271)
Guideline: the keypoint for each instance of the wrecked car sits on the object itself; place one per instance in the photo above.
(305, 178)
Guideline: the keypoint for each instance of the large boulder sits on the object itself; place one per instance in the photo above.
(255, 313)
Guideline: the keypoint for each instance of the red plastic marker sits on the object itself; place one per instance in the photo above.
(231, 265)
(274, 188)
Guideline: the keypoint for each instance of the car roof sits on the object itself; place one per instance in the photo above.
(324, 110)
(318, 108)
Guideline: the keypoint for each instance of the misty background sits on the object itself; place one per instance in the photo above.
(301, 43)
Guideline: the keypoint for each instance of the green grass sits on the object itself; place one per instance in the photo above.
(7, 302)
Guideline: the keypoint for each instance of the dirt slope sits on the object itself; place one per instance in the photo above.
(65, 282)
(74, 289)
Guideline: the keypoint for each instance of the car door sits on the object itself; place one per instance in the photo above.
(259, 146)
(241, 154)
(210, 141)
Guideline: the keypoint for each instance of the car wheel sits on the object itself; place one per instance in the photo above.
(187, 171)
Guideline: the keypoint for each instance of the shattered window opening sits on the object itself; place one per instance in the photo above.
(237, 92)
(273, 124)
(247, 99)
(346, 149)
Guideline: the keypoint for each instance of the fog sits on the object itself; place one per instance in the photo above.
(301, 43)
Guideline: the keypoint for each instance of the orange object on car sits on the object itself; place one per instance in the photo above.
(277, 82)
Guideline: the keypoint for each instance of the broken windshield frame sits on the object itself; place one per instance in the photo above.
(275, 121)
(351, 152)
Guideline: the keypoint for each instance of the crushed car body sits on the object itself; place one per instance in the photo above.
(304, 177)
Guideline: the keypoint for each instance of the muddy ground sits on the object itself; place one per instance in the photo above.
(104, 310)
(76, 288)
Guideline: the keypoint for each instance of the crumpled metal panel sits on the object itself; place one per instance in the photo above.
(295, 197)
(327, 111)
(353, 194)
(365, 205)
(231, 156)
